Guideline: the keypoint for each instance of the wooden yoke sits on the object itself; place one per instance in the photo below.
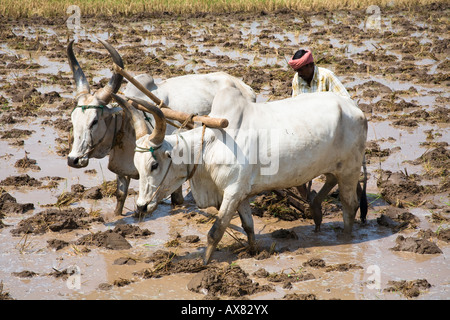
(183, 117)
(180, 116)
(138, 85)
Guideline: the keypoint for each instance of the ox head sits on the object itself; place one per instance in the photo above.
(92, 116)
(159, 176)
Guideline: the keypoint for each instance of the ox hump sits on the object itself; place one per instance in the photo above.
(228, 101)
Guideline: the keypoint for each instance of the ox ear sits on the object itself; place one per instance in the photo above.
(115, 110)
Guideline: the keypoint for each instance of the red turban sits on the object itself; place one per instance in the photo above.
(307, 58)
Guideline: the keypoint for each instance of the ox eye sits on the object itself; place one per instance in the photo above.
(154, 166)
(94, 123)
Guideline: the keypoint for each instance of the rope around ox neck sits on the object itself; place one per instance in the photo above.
(84, 107)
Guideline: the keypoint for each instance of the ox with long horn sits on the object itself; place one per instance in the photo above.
(101, 129)
(82, 85)
(92, 110)
(157, 135)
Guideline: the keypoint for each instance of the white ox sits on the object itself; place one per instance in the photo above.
(303, 137)
(100, 129)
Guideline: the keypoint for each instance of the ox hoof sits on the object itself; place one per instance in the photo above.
(176, 200)
(317, 229)
(345, 236)
(139, 214)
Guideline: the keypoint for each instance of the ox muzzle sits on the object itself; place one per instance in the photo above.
(77, 162)
(148, 208)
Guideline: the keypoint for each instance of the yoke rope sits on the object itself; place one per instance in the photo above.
(84, 107)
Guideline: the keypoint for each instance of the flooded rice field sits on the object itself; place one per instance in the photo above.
(59, 241)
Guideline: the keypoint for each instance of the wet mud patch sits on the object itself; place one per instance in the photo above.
(373, 149)
(229, 281)
(285, 278)
(56, 220)
(397, 219)
(399, 189)
(274, 204)
(300, 296)
(416, 245)
(167, 262)
(106, 239)
(78, 192)
(9, 205)
(114, 239)
(27, 163)
(3, 294)
(410, 289)
(436, 160)
(23, 180)
(16, 133)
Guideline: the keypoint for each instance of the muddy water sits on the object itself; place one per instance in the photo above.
(206, 45)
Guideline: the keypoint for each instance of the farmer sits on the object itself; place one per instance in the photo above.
(310, 78)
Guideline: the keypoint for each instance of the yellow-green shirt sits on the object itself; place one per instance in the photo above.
(323, 80)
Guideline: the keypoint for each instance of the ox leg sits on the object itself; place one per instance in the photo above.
(121, 193)
(177, 197)
(245, 212)
(215, 234)
(316, 204)
(349, 200)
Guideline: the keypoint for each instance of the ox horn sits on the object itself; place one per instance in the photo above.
(138, 122)
(105, 94)
(158, 134)
(82, 85)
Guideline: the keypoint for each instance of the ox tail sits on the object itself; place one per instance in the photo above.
(363, 206)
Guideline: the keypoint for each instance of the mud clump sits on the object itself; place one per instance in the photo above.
(398, 219)
(166, 262)
(78, 192)
(314, 263)
(342, 267)
(114, 239)
(107, 239)
(16, 134)
(443, 235)
(230, 281)
(300, 296)
(24, 274)
(398, 189)
(437, 161)
(27, 163)
(438, 157)
(3, 294)
(373, 150)
(57, 244)
(410, 289)
(21, 181)
(284, 234)
(9, 205)
(416, 245)
(274, 205)
(128, 230)
(285, 278)
(56, 220)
